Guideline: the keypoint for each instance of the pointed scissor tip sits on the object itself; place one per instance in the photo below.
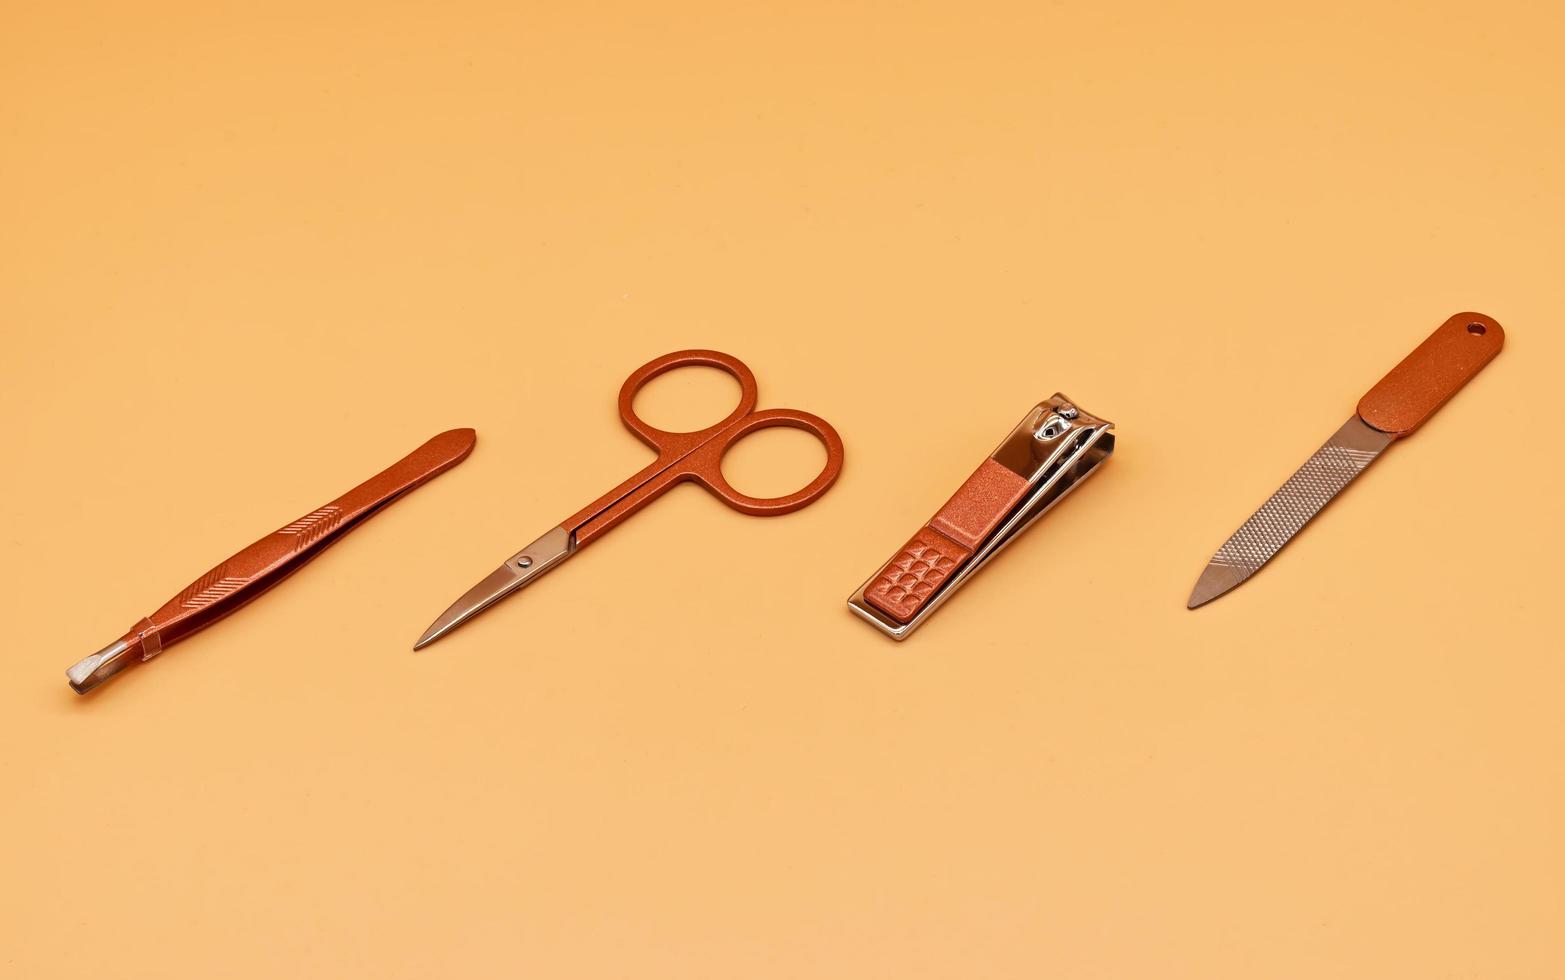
(518, 570)
(500, 583)
(440, 627)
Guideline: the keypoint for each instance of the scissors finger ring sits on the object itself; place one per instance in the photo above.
(695, 456)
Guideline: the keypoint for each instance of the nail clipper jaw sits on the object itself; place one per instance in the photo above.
(1092, 436)
(1054, 448)
(1067, 444)
(1052, 429)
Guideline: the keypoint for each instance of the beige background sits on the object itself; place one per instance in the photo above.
(250, 257)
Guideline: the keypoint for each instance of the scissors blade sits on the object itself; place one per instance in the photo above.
(518, 570)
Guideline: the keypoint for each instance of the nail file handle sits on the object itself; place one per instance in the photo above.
(1438, 368)
(245, 575)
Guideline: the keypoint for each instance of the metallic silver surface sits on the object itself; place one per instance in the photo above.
(1306, 492)
(1056, 447)
(518, 570)
(88, 672)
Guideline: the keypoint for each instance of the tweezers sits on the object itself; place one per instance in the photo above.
(268, 561)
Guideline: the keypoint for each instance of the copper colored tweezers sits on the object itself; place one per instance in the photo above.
(268, 561)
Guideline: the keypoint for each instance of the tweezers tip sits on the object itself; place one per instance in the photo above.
(88, 673)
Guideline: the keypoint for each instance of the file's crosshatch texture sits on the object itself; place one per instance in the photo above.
(251, 253)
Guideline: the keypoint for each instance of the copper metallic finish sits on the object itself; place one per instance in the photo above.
(698, 456)
(946, 543)
(980, 504)
(1045, 457)
(1405, 398)
(1395, 407)
(247, 574)
(916, 573)
(694, 456)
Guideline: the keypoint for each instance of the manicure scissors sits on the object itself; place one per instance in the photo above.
(681, 456)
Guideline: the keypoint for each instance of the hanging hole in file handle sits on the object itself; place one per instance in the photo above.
(1437, 369)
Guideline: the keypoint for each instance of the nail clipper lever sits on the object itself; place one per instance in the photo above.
(1044, 458)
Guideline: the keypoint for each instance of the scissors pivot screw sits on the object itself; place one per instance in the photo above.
(680, 457)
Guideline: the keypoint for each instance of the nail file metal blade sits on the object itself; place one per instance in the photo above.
(1396, 406)
(1324, 475)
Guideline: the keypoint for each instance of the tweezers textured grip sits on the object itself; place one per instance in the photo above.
(943, 545)
(263, 564)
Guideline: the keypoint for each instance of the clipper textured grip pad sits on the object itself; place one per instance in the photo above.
(943, 545)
